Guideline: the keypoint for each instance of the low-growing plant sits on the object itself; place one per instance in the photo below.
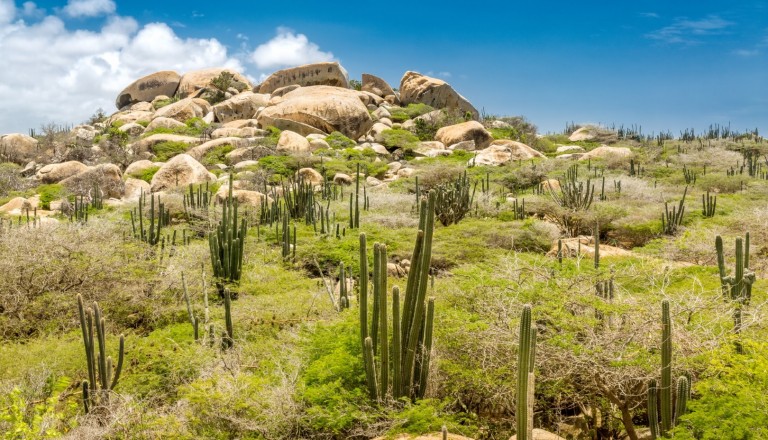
(399, 138)
(338, 141)
(168, 149)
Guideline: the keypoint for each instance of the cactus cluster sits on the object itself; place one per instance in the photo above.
(158, 217)
(411, 329)
(672, 219)
(737, 287)
(573, 194)
(453, 200)
(708, 205)
(227, 242)
(197, 200)
(102, 378)
(661, 402)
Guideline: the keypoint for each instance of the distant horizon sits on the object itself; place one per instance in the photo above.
(664, 67)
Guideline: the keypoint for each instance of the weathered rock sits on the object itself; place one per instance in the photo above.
(134, 188)
(570, 156)
(371, 101)
(16, 205)
(241, 123)
(106, 177)
(193, 81)
(57, 172)
(540, 434)
(163, 122)
(342, 179)
(130, 116)
(280, 92)
(293, 142)
(381, 113)
(244, 197)
(148, 88)
(316, 144)
(429, 148)
(132, 128)
(377, 131)
(415, 87)
(586, 133)
(17, 147)
(142, 107)
(317, 74)
(606, 152)
(245, 132)
(310, 175)
(465, 131)
(376, 85)
(245, 164)
(502, 151)
(84, 134)
(406, 172)
(372, 181)
(241, 154)
(181, 170)
(240, 106)
(149, 142)
(570, 149)
(29, 169)
(158, 99)
(326, 109)
(184, 109)
(464, 145)
(201, 150)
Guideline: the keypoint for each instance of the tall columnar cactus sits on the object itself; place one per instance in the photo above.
(454, 200)
(158, 217)
(737, 287)
(228, 339)
(671, 219)
(708, 205)
(412, 321)
(660, 400)
(227, 242)
(101, 376)
(597, 246)
(525, 376)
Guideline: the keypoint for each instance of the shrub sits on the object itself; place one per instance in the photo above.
(399, 138)
(217, 155)
(338, 141)
(147, 174)
(49, 193)
(280, 165)
(400, 114)
(166, 150)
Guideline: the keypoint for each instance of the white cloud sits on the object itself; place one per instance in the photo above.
(7, 11)
(56, 74)
(89, 8)
(287, 49)
(687, 32)
(30, 10)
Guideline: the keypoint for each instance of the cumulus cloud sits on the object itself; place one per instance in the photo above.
(687, 32)
(89, 8)
(57, 74)
(7, 11)
(286, 49)
(30, 10)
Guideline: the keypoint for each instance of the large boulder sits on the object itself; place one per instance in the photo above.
(293, 142)
(57, 172)
(324, 108)
(184, 109)
(502, 151)
(138, 167)
(240, 106)
(16, 206)
(606, 152)
(318, 74)
(244, 132)
(465, 131)
(164, 123)
(130, 116)
(376, 85)
(418, 88)
(310, 175)
(181, 170)
(244, 197)
(201, 150)
(134, 188)
(193, 81)
(149, 142)
(145, 89)
(17, 147)
(107, 177)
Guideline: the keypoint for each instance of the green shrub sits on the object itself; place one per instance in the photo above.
(400, 114)
(399, 138)
(164, 102)
(284, 166)
(166, 150)
(146, 175)
(49, 193)
(217, 155)
(338, 141)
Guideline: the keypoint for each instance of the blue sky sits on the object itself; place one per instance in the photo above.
(662, 65)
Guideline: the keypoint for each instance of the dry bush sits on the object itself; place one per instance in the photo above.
(715, 159)
(438, 174)
(392, 210)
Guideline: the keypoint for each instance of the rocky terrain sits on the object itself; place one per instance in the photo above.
(230, 231)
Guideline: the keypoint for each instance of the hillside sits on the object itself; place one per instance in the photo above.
(319, 257)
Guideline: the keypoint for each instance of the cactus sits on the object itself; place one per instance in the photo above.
(708, 205)
(227, 242)
(453, 200)
(573, 194)
(101, 377)
(738, 287)
(670, 220)
(660, 400)
(525, 376)
(229, 337)
(157, 219)
(412, 321)
(597, 246)
(689, 175)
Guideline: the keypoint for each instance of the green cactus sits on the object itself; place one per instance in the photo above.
(525, 376)
(101, 377)
(660, 400)
(708, 205)
(597, 246)
(227, 242)
(411, 329)
(454, 200)
(229, 337)
(738, 287)
(158, 217)
(672, 219)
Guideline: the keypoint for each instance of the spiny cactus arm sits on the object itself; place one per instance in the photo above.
(683, 390)
(396, 344)
(119, 367)
(427, 348)
(375, 314)
(363, 292)
(370, 368)
(100, 324)
(666, 368)
(383, 325)
(653, 410)
(86, 397)
(87, 328)
(523, 366)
